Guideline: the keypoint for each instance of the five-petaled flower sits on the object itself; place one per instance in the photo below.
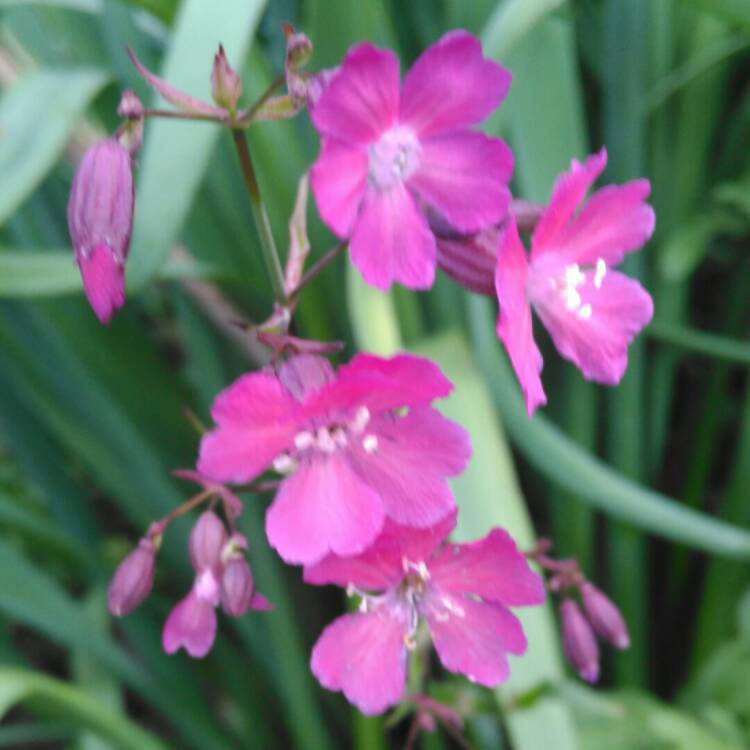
(463, 591)
(386, 153)
(591, 312)
(357, 447)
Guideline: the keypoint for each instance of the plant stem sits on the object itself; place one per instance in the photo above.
(175, 114)
(316, 268)
(245, 117)
(260, 216)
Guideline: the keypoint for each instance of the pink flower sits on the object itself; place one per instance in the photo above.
(385, 151)
(351, 455)
(214, 555)
(100, 220)
(463, 591)
(591, 312)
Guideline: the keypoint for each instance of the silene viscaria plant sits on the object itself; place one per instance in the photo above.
(359, 455)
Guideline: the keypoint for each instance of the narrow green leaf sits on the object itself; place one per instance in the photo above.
(57, 698)
(176, 154)
(511, 21)
(36, 116)
(700, 342)
(580, 472)
(373, 315)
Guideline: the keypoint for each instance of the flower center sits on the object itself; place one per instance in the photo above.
(394, 158)
(551, 285)
(328, 439)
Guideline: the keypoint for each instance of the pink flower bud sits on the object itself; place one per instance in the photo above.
(100, 220)
(606, 619)
(191, 625)
(579, 643)
(206, 542)
(237, 587)
(132, 580)
(226, 85)
(130, 105)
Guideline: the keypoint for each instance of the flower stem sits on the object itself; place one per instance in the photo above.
(245, 117)
(316, 268)
(175, 114)
(260, 216)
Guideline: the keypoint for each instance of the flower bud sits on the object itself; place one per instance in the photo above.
(237, 587)
(206, 542)
(226, 85)
(100, 220)
(130, 105)
(132, 580)
(579, 643)
(605, 617)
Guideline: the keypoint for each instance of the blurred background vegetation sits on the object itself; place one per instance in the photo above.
(647, 484)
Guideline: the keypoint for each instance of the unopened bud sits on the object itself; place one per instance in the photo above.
(130, 105)
(579, 642)
(604, 616)
(133, 579)
(207, 540)
(100, 221)
(226, 85)
(237, 587)
(298, 46)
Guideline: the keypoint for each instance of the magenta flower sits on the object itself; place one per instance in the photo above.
(591, 312)
(350, 453)
(100, 220)
(385, 152)
(214, 556)
(463, 591)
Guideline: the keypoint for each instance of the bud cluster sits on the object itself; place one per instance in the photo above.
(596, 615)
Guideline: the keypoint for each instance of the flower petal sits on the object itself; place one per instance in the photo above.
(339, 179)
(465, 176)
(470, 260)
(473, 638)
(103, 281)
(514, 325)
(323, 507)
(305, 374)
(616, 220)
(257, 419)
(381, 565)
(207, 539)
(392, 242)
(190, 625)
(364, 656)
(569, 190)
(595, 336)
(491, 567)
(408, 459)
(361, 101)
(451, 86)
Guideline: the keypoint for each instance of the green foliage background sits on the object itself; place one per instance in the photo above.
(647, 484)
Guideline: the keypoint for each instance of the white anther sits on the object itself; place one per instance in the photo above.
(360, 420)
(303, 440)
(572, 298)
(600, 273)
(339, 437)
(370, 443)
(585, 312)
(452, 606)
(284, 463)
(424, 574)
(574, 276)
(324, 441)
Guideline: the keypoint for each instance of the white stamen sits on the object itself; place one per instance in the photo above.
(574, 276)
(303, 440)
(339, 437)
(324, 441)
(284, 463)
(600, 273)
(572, 298)
(452, 606)
(585, 312)
(424, 574)
(361, 418)
(370, 443)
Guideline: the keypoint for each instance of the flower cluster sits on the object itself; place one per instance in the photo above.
(359, 456)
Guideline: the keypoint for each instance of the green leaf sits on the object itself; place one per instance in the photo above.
(176, 154)
(49, 273)
(488, 495)
(578, 471)
(511, 21)
(37, 114)
(55, 698)
(700, 342)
